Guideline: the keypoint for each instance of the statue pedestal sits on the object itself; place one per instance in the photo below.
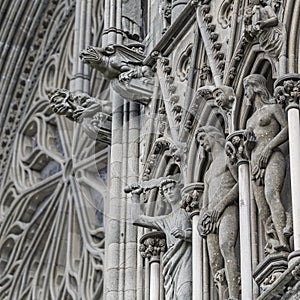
(270, 269)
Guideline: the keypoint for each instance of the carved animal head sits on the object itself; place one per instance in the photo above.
(93, 56)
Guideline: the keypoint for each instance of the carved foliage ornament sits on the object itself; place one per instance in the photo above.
(287, 91)
(152, 244)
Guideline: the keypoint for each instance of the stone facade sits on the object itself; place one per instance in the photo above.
(149, 149)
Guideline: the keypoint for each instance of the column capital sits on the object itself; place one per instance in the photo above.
(152, 244)
(239, 145)
(191, 196)
(287, 90)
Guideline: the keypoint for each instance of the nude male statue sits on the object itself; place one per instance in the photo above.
(219, 215)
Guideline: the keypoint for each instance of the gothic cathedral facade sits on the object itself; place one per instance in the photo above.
(149, 149)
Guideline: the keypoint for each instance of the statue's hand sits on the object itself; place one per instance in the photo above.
(79, 114)
(136, 189)
(217, 212)
(264, 158)
(250, 139)
(178, 233)
(126, 76)
(261, 24)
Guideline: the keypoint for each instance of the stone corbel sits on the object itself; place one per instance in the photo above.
(287, 91)
(124, 67)
(152, 244)
(191, 198)
(238, 146)
(93, 114)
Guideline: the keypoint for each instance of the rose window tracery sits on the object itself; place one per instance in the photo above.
(51, 212)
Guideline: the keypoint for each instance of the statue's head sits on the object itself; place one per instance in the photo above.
(256, 84)
(171, 190)
(61, 102)
(208, 135)
(224, 96)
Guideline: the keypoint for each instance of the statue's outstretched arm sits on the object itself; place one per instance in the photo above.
(137, 216)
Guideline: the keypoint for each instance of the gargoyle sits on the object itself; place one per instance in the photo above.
(94, 114)
(116, 61)
(76, 108)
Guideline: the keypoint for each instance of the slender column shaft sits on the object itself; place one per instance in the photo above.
(154, 278)
(197, 261)
(147, 280)
(245, 232)
(294, 145)
(206, 273)
(190, 202)
(287, 92)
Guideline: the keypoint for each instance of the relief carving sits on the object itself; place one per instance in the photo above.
(218, 222)
(264, 25)
(268, 124)
(177, 260)
(225, 13)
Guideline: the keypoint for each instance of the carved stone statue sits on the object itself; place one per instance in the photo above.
(92, 113)
(177, 261)
(218, 221)
(225, 98)
(76, 108)
(266, 26)
(268, 124)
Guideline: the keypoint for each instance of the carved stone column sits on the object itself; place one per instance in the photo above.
(191, 203)
(287, 92)
(152, 245)
(236, 149)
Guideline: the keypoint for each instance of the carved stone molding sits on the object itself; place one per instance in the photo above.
(286, 287)
(270, 269)
(287, 90)
(160, 146)
(225, 13)
(183, 65)
(152, 244)
(138, 90)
